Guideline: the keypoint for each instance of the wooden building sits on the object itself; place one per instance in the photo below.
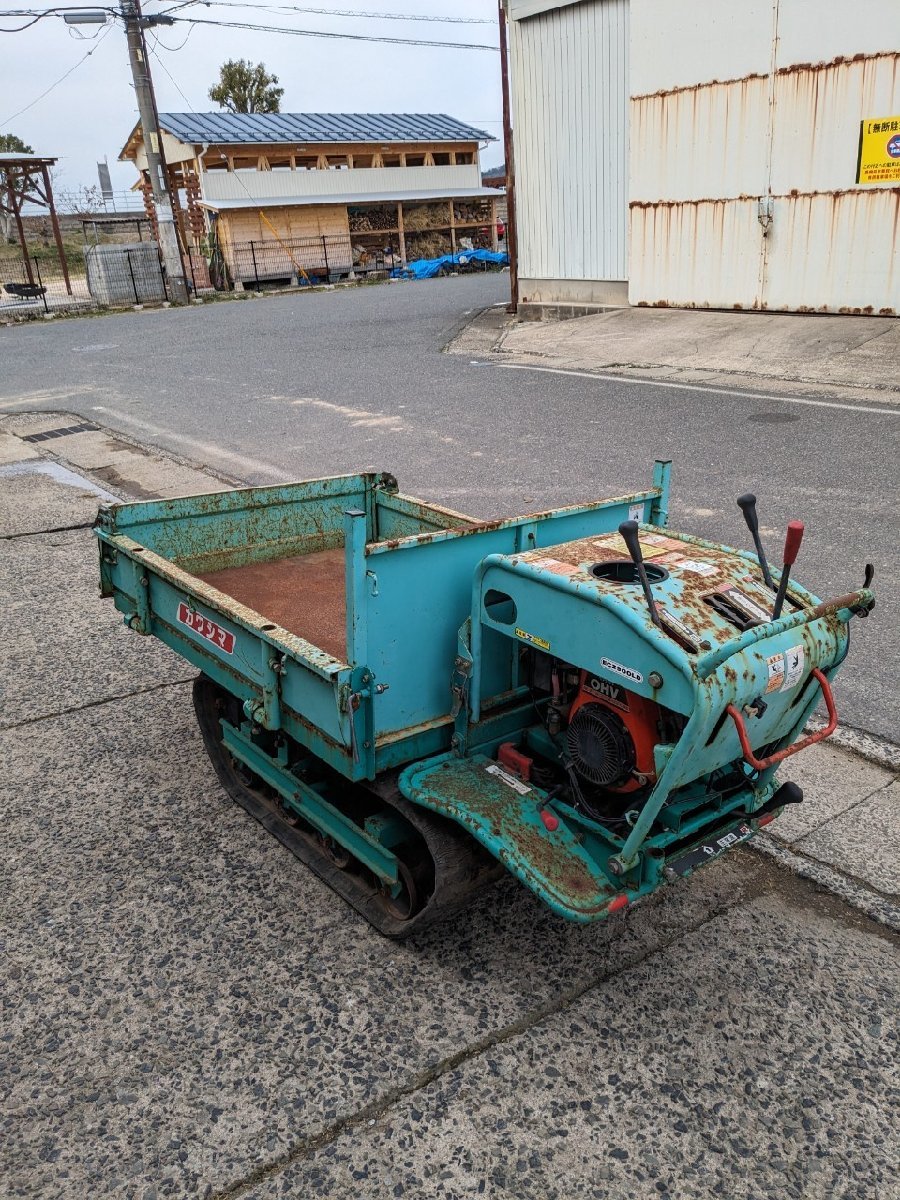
(408, 185)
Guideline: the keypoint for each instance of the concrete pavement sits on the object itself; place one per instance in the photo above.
(856, 353)
(188, 1011)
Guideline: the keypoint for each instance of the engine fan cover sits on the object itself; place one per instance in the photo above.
(600, 746)
(611, 735)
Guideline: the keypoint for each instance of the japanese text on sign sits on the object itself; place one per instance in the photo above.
(206, 628)
(878, 160)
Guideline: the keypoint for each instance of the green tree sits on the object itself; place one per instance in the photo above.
(246, 88)
(9, 144)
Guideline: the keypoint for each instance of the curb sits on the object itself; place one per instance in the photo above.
(874, 905)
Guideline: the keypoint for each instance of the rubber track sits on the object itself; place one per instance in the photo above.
(462, 868)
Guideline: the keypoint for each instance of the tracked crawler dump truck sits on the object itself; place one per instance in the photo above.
(412, 701)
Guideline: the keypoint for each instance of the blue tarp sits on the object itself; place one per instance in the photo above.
(427, 268)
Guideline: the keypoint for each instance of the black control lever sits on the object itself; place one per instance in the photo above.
(747, 505)
(869, 576)
(629, 532)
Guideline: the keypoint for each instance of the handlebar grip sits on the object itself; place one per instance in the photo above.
(792, 542)
(629, 533)
(747, 505)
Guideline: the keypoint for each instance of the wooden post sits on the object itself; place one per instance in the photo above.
(452, 228)
(14, 209)
(57, 234)
(402, 234)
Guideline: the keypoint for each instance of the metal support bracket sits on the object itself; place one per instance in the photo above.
(313, 808)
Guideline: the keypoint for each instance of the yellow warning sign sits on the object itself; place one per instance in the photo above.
(878, 160)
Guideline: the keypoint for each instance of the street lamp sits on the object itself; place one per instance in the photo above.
(86, 16)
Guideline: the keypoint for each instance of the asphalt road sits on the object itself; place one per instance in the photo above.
(306, 385)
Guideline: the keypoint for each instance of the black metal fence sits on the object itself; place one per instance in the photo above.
(116, 274)
(305, 261)
(111, 276)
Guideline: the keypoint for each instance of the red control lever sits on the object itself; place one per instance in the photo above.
(792, 542)
(791, 548)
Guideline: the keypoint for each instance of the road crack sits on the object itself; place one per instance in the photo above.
(428, 1075)
(77, 708)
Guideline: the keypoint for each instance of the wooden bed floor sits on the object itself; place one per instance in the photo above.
(305, 594)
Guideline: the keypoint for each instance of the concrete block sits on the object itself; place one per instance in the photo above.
(751, 1059)
(37, 495)
(832, 780)
(863, 842)
(62, 646)
(13, 449)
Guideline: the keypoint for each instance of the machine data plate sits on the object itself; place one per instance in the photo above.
(688, 862)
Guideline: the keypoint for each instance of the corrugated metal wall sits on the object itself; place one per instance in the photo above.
(737, 103)
(569, 70)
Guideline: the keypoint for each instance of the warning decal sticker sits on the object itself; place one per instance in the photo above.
(775, 665)
(554, 566)
(878, 160)
(541, 643)
(697, 568)
(510, 780)
(795, 660)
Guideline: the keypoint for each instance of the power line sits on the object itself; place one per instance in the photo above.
(172, 49)
(61, 79)
(19, 28)
(353, 37)
(155, 52)
(338, 12)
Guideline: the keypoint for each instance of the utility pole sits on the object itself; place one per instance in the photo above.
(156, 163)
(512, 241)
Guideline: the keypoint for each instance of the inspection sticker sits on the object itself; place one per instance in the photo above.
(510, 780)
(533, 638)
(697, 568)
(795, 659)
(775, 665)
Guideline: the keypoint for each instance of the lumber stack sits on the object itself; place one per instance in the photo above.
(366, 220)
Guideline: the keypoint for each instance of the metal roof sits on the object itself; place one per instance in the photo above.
(351, 198)
(306, 128)
(26, 159)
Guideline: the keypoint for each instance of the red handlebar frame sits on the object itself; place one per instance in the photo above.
(762, 764)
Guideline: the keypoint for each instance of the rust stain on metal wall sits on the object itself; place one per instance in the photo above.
(792, 69)
(743, 192)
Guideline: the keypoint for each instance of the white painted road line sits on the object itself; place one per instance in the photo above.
(209, 450)
(882, 411)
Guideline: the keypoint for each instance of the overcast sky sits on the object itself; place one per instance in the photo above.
(89, 115)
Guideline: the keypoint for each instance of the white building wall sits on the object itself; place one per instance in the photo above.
(569, 80)
(749, 109)
(275, 185)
